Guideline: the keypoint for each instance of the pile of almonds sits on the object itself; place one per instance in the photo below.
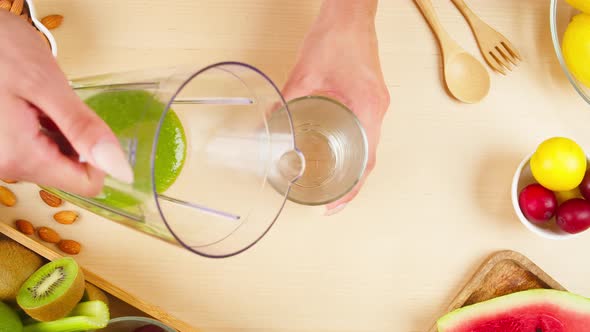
(20, 8)
(46, 234)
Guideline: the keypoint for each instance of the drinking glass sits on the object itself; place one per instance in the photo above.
(334, 145)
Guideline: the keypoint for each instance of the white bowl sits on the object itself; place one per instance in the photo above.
(522, 178)
(41, 27)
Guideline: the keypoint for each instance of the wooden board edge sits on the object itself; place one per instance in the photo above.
(484, 268)
(98, 281)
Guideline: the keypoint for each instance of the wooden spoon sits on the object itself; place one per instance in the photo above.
(465, 76)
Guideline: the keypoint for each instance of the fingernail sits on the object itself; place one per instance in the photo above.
(335, 210)
(109, 157)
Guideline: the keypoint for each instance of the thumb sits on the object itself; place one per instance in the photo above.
(88, 134)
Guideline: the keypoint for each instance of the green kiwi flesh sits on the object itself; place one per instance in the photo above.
(17, 263)
(85, 316)
(53, 291)
(9, 320)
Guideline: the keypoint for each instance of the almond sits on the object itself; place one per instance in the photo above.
(70, 247)
(52, 21)
(25, 227)
(5, 4)
(65, 217)
(7, 197)
(8, 180)
(48, 235)
(50, 199)
(17, 7)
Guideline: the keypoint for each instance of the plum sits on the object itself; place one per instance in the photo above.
(537, 203)
(585, 186)
(573, 216)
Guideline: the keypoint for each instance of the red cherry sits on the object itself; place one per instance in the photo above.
(538, 204)
(573, 216)
(585, 186)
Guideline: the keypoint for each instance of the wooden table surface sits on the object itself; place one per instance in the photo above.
(436, 205)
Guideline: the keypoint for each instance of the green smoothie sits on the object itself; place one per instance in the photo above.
(135, 114)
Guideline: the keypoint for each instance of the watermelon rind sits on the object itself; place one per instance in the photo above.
(504, 304)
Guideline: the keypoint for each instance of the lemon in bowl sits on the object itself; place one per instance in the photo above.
(576, 47)
(581, 5)
(559, 164)
(571, 41)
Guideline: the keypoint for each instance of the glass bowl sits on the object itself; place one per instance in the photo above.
(128, 324)
(561, 14)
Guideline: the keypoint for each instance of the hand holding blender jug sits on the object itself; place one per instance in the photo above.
(216, 152)
(202, 152)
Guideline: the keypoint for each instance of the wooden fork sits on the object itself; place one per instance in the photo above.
(499, 53)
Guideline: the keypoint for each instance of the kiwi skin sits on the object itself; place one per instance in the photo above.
(60, 306)
(93, 293)
(17, 264)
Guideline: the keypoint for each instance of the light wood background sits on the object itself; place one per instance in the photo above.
(437, 204)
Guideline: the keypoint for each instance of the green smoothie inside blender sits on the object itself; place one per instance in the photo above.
(136, 113)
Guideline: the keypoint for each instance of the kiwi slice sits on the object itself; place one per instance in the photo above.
(85, 316)
(53, 291)
(93, 293)
(17, 263)
(9, 320)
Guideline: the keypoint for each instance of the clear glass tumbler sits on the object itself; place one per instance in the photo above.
(335, 148)
(203, 151)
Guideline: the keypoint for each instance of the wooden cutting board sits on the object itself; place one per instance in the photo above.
(503, 273)
(122, 303)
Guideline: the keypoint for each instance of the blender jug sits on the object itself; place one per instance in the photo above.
(206, 158)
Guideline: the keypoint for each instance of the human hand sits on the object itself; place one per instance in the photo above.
(41, 116)
(339, 58)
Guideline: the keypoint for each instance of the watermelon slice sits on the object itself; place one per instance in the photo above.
(538, 310)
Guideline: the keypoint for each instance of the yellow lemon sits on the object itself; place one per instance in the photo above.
(583, 5)
(564, 196)
(559, 164)
(576, 47)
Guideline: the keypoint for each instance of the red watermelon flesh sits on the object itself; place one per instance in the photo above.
(538, 310)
